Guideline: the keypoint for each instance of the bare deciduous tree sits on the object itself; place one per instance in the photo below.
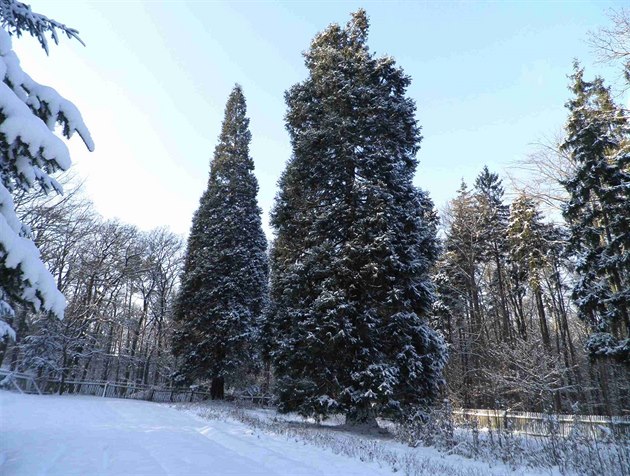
(612, 43)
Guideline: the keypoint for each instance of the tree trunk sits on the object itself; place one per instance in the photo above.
(63, 370)
(4, 343)
(542, 318)
(507, 327)
(217, 390)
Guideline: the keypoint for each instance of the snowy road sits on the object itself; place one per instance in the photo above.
(72, 435)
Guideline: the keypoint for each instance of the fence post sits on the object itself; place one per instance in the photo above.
(36, 386)
(105, 389)
(16, 385)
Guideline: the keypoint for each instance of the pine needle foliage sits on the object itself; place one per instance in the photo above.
(355, 240)
(224, 282)
(598, 213)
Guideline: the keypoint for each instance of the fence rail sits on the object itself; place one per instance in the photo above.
(25, 383)
(543, 424)
(530, 423)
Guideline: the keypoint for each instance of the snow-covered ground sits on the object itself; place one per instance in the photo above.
(73, 435)
(78, 435)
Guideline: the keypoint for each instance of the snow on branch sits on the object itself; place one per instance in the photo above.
(29, 153)
(18, 18)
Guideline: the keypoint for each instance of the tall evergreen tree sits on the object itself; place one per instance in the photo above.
(459, 307)
(527, 249)
(355, 240)
(224, 281)
(494, 218)
(598, 139)
(463, 252)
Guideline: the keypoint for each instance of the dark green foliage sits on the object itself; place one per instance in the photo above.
(520, 354)
(458, 309)
(493, 214)
(529, 242)
(598, 213)
(224, 282)
(355, 240)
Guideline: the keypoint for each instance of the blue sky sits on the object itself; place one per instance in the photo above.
(489, 80)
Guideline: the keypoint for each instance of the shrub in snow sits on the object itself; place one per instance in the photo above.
(31, 152)
(429, 428)
(500, 451)
(582, 451)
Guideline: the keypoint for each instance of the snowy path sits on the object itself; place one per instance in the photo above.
(72, 435)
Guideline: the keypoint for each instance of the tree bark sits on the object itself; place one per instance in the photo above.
(217, 388)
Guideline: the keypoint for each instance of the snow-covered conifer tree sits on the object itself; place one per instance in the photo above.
(494, 217)
(527, 239)
(31, 152)
(355, 240)
(598, 213)
(224, 282)
(458, 308)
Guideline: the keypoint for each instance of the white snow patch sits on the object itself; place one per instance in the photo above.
(29, 113)
(71, 435)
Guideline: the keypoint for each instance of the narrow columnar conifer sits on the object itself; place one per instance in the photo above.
(598, 213)
(224, 281)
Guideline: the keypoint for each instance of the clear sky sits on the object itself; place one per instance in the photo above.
(489, 80)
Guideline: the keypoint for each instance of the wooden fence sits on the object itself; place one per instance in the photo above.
(542, 424)
(25, 383)
(529, 423)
